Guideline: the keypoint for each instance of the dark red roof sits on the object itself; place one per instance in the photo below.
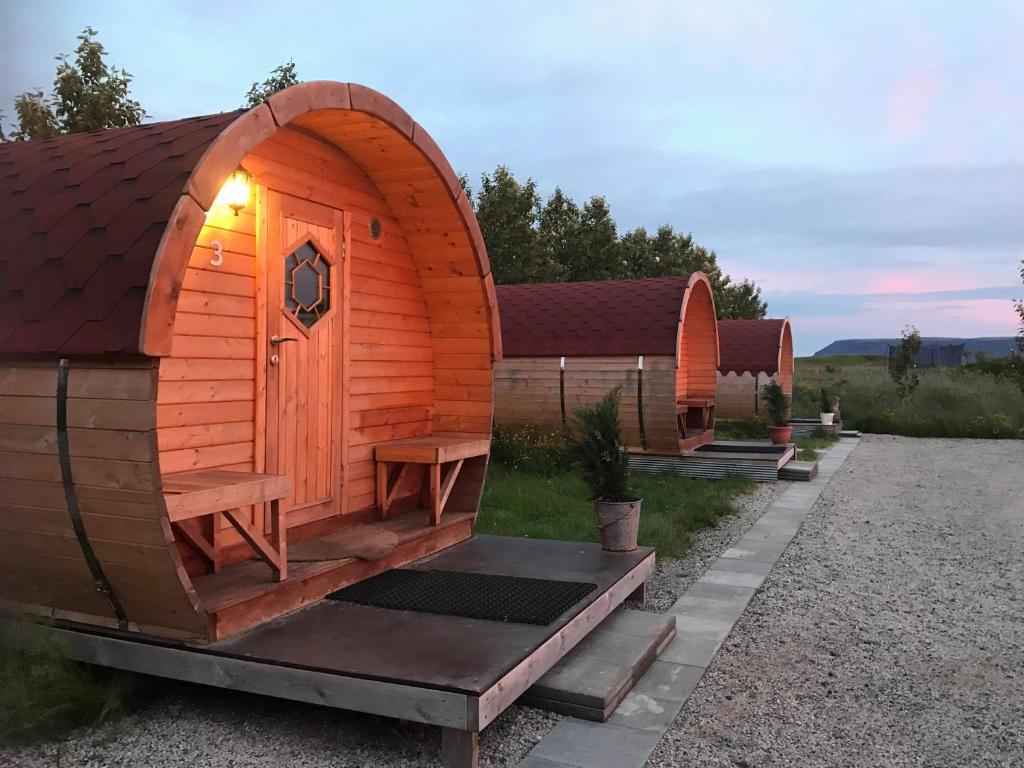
(750, 345)
(82, 216)
(600, 318)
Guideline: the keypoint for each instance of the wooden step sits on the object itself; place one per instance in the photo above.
(799, 470)
(596, 675)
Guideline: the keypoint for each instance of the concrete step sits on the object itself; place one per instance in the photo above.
(849, 433)
(597, 674)
(799, 470)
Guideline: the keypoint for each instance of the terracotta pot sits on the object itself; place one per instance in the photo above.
(827, 419)
(780, 435)
(619, 523)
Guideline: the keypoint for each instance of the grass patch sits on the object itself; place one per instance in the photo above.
(44, 695)
(741, 429)
(806, 454)
(556, 506)
(819, 441)
(950, 402)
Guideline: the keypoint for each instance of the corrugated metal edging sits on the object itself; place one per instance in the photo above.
(688, 467)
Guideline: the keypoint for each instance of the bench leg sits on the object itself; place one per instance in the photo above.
(279, 538)
(216, 540)
(435, 494)
(382, 488)
(459, 749)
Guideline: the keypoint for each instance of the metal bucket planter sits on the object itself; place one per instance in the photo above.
(619, 523)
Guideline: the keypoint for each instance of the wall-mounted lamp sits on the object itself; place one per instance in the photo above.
(235, 192)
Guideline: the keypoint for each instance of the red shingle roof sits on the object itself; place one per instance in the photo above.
(750, 345)
(599, 318)
(82, 216)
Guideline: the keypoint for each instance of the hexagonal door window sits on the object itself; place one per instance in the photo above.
(307, 284)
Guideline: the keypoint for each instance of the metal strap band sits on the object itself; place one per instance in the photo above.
(75, 513)
(561, 387)
(640, 401)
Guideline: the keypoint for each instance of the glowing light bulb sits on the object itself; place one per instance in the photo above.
(235, 192)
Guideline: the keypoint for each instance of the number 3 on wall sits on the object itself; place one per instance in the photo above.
(218, 253)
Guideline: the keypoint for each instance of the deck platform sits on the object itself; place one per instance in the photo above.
(758, 459)
(448, 671)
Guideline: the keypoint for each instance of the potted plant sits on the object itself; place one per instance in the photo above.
(597, 444)
(828, 411)
(777, 403)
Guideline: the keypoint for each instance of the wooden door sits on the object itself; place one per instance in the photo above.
(304, 351)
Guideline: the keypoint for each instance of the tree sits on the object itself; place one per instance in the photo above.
(599, 255)
(508, 213)
(740, 301)
(281, 77)
(560, 231)
(902, 365)
(88, 95)
(531, 242)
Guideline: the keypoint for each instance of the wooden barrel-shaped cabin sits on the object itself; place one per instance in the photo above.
(224, 336)
(566, 344)
(753, 352)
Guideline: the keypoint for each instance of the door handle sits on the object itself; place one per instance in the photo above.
(275, 339)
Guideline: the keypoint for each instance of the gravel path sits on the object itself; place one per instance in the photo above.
(891, 633)
(673, 576)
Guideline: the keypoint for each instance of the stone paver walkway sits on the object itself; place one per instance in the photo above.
(705, 615)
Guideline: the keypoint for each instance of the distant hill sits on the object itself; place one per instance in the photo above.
(993, 346)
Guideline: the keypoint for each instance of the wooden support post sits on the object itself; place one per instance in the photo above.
(435, 493)
(448, 484)
(197, 540)
(279, 539)
(256, 541)
(459, 749)
(216, 540)
(382, 488)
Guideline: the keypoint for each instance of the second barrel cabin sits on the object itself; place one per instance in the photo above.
(753, 352)
(567, 344)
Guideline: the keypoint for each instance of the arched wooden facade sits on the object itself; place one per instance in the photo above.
(753, 352)
(147, 331)
(569, 343)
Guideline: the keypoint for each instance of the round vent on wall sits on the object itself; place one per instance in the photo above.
(375, 228)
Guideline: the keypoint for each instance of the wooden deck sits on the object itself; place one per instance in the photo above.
(716, 459)
(331, 653)
(246, 593)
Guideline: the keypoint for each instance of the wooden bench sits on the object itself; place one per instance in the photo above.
(444, 456)
(695, 414)
(213, 492)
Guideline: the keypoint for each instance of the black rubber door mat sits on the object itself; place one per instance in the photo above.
(511, 599)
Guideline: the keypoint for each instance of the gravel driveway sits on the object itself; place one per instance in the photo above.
(892, 631)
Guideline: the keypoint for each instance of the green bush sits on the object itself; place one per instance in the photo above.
(948, 402)
(43, 694)
(597, 446)
(777, 402)
(740, 429)
(532, 450)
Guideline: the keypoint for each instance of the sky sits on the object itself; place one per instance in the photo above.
(862, 162)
